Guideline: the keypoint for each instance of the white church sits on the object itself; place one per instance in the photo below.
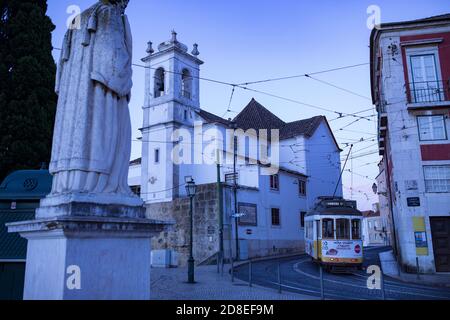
(271, 171)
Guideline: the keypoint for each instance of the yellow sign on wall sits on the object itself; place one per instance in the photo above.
(420, 235)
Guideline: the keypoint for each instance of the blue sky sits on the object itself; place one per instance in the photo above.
(247, 40)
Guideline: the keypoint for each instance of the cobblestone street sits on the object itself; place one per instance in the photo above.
(170, 284)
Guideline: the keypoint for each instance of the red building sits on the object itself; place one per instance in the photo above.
(410, 75)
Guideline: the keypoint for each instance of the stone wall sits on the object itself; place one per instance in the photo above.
(206, 225)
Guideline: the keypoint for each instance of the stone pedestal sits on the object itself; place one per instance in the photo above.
(90, 252)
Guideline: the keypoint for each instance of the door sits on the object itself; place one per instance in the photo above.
(12, 277)
(440, 231)
(425, 82)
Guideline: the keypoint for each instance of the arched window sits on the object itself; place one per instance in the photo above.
(186, 84)
(160, 82)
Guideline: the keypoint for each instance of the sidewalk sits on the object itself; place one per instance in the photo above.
(170, 284)
(391, 269)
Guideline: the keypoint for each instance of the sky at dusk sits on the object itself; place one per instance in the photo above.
(249, 40)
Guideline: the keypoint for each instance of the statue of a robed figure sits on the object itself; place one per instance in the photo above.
(92, 137)
(91, 227)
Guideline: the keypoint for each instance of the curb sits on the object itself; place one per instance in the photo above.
(422, 282)
(286, 256)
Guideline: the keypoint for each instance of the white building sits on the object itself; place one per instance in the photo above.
(277, 182)
(383, 205)
(410, 72)
(374, 228)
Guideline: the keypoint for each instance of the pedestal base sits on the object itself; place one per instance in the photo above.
(112, 256)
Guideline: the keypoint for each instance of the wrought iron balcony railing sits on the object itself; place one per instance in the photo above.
(429, 91)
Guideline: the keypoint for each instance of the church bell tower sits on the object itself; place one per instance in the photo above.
(172, 98)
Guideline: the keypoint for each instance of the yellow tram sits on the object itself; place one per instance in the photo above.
(333, 234)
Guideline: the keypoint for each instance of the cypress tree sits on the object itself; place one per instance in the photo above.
(27, 80)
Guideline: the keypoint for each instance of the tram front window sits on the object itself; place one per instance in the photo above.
(343, 229)
(327, 229)
(356, 229)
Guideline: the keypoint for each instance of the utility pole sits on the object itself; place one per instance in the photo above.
(220, 197)
(235, 146)
(342, 172)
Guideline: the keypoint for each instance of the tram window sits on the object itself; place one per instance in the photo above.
(327, 229)
(342, 229)
(356, 229)
(308, 230)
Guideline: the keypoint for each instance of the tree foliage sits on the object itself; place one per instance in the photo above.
(27, 80)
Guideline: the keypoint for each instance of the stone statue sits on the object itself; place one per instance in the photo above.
(92, 137)
(91, 223)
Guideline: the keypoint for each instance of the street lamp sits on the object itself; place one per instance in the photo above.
(375, 190)
(191, 190)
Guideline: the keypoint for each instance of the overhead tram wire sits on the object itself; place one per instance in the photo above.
(337, 87)
(234, 85)
(303, 75)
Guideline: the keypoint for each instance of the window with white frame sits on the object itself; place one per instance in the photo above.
(432, 127)
(437, 178)
(275, 182)
(425, 82)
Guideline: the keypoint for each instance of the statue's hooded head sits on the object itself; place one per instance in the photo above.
(121, 3)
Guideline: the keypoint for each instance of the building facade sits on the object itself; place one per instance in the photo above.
(373, 229)
(277, 168)
(383, 205)
(20, 194)
(410, 74)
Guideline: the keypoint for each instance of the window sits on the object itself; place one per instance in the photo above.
(160, 87)
(186, 84)
(136, 190)
(276, 217)
(275, 182)
(302, 187)
(432, 128)
(309, 232)
(437, 178)
(302, 219)
(157, 156)
(425, 84)
(342, 229)
(356, 229)
(250, 211)
(327, 229)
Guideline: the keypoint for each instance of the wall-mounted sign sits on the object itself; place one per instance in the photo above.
(413, 202)
(420, 236)
(250, 217)
(421, 239)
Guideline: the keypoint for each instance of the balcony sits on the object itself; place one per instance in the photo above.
(429, 93)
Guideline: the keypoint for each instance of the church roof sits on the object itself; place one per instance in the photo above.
(305, 127)
(256, 116)
(212, 118)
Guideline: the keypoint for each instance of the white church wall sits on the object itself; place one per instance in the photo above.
(323, 165)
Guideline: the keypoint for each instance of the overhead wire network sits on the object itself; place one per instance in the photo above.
(341, 115)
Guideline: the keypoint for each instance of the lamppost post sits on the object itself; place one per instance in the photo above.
(191, 190)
